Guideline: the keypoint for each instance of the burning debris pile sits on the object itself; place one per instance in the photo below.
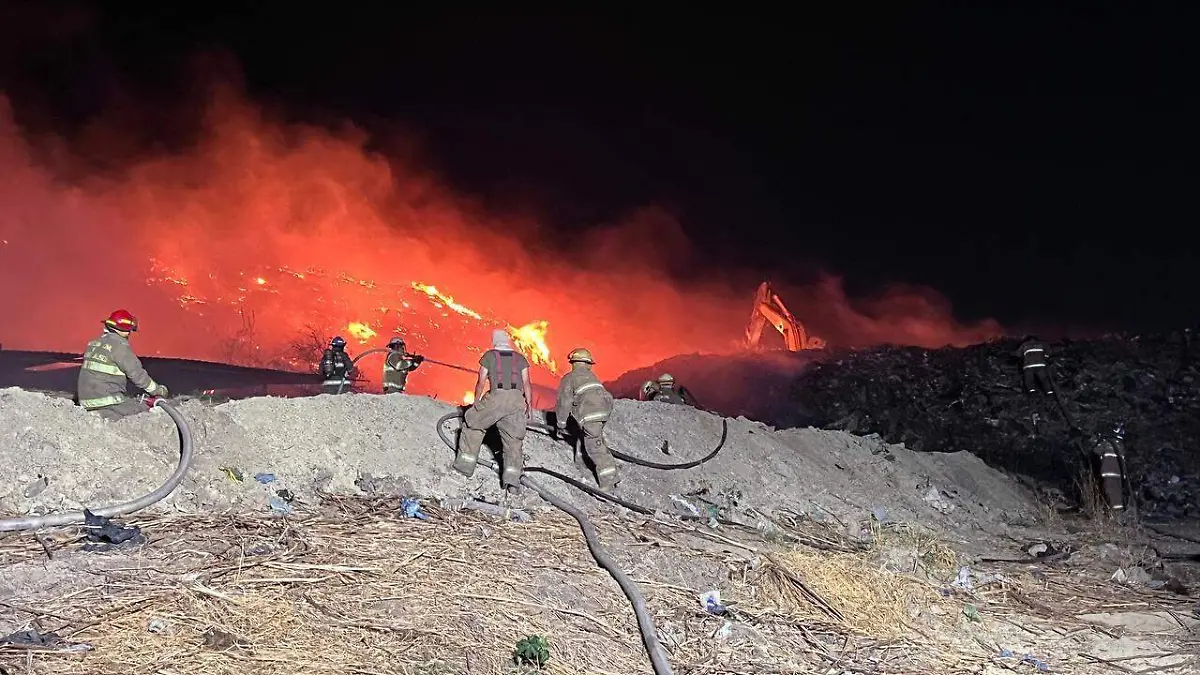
(973, 399)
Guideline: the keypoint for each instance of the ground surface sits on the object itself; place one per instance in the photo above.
(877, 534)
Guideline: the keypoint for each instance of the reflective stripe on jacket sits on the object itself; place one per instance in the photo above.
(108, 364)
(581, 395)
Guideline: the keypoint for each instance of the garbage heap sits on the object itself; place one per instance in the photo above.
(973, 399)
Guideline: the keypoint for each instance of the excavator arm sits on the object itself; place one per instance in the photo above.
(769, 308)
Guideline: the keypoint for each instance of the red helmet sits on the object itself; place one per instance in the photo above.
(122, 320)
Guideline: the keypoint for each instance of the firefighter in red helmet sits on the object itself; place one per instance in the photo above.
(108, 362)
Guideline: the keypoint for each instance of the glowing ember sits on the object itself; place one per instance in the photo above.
(361, 331)
(260, 281)
(468, 398)
(530, 339)
(446, 300)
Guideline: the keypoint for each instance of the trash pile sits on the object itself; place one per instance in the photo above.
(973, 399)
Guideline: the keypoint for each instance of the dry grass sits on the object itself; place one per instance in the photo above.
(356, 589)
(871, 602)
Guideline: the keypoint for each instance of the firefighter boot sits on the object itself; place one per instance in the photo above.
(467, 456)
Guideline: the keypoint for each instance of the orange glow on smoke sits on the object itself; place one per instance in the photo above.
(264, 239)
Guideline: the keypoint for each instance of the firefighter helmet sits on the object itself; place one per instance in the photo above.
(666, 380)
(121, 320)
(580, 355)
(338, 342)
(647, 388)
(396, 343)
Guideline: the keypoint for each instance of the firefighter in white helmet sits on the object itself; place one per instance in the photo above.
(507, 405)
(108, 363)
(583, 397)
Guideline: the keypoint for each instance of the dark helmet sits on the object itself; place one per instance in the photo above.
(338, 342)
(396, 343)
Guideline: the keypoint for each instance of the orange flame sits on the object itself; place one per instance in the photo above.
(468, 398)
(361, 331)
(530, 339)
(446, 300)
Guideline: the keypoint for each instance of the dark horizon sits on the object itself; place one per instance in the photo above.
(1029, 165)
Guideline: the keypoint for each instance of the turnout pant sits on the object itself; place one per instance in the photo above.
(1112, 480)
(504, 409)
(597, 451)
(127, 408)
(1037, 377)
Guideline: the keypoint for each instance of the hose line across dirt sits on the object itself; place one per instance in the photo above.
(76, 517)
(549, 430)
(654, 648)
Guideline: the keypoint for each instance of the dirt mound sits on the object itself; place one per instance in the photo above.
(823, 546)
(62, 457)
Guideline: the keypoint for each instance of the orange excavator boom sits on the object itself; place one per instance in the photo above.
(769, 308)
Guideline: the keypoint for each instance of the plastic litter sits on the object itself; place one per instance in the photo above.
(1035, 662)
(279, 506)
(711, 602)
(104, 535)
(412, 509)
(264, 478)
(964, 579)
(685, 505)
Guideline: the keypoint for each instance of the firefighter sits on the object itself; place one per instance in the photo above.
(667, 392)
(1110, 453)
(396, 367)
(582, 396)
(648, 391)
(1033, 353)
(108, 362)
(336, 367)
(507, 405)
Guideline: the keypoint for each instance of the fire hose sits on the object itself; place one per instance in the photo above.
(377, 350)
(654, 648)
(74, 517)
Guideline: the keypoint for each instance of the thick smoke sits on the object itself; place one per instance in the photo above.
(256, 194)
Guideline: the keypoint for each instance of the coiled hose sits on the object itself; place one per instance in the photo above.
(74, 517)
(654, 648)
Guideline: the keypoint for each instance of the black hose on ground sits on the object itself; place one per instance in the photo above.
(599, 494)
(549, 431)
(654, 648)
(73, 517)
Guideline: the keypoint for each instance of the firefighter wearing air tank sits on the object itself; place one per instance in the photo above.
(665, 390)
(507, 405)
(396, 367)
(581, 396)
(1110, 458)
(336, 367)
(108, 363)
(1033, 353)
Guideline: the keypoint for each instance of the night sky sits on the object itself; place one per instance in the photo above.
(1031, 163)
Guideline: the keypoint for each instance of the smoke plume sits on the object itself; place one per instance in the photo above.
(262, 234)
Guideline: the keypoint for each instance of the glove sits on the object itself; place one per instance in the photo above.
(161, 392)
(418, 359)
